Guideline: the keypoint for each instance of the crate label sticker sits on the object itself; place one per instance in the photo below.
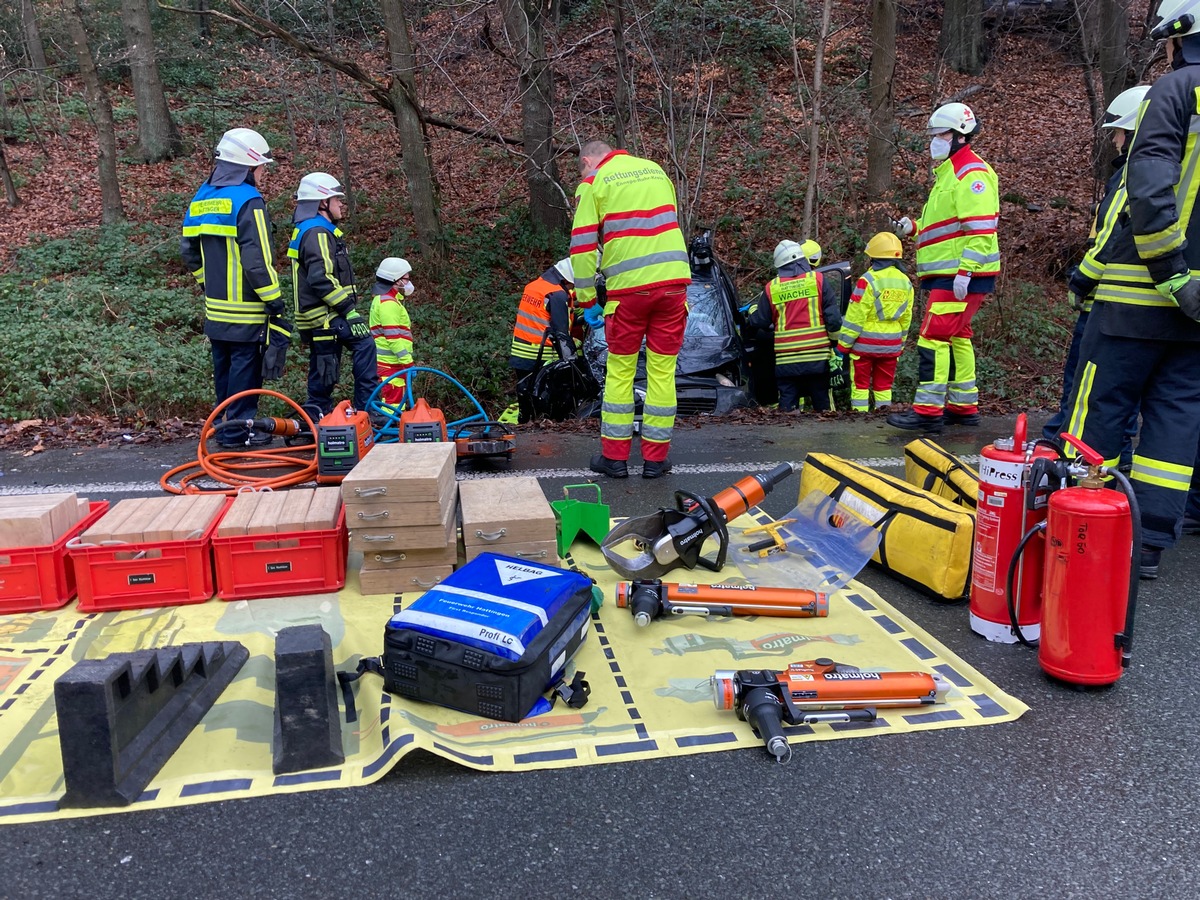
(514, 573)
(278, 567)
(148, 578)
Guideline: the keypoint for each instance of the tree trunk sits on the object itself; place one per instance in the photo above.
(622, 118)
(418, 168)
(100, 108)
(814, 142)
(548, 204)
(34, 48)
(203, 26)
(881, 145)
(10, 189)
(342, 143)
(158, 137)
(1114, 41)
(961, 39)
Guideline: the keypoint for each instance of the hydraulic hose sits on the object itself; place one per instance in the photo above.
(1125, 639)
(233, 470)
(1011, 579)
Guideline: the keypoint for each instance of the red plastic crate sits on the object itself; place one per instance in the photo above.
(141, 576)
(33, 578)
(281, 565)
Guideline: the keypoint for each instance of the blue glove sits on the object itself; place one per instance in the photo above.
(594, 316)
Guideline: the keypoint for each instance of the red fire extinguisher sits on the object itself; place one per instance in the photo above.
(1001, 517)
(1089, 586)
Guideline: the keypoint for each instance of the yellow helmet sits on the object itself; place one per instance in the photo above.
(812, 250)
(885, 245)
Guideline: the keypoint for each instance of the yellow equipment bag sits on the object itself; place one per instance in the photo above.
(933, 468)
(926, 541)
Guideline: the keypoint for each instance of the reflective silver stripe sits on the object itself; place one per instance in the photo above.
(926, 237)
(982, 224)
(858, 403)
(619, 225)
(654, 433)
(616, 409)
(1149, 469)
(939, 265)
(588, 282)
(584, 240)
(970, 167)
(851, 329)
(963, 385)
(641, 262)
(903, 308)
(1166, 242)
(664, 412)
(981, 258)
(1130, 296)
(930, 396)
(616, 432)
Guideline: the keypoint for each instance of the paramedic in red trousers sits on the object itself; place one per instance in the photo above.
(1141, 347)
(226, 245)
(958, 259)
(545, 304)
(803, 310)
(391, 326)
(627, 214)
(323, 287)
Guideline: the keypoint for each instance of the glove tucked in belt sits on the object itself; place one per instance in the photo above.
(325, 356)
(1185, 291)
(279, 338)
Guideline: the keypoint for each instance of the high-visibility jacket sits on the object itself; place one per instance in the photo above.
(628, 211)
(1104, 223)
(880, 312)
(226, 244)
(322, 278)
(956, 232)
(391, 328)
(802, 322)
(1160, 235)
(543, 299)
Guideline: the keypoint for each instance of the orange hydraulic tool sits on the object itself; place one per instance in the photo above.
(650, 599)
(674, 537)
(818, 690)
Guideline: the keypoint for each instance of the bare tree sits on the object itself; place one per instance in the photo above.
(1113, 37)
(622, 113)
(10, 189)
(961, 38)
(814, 142)
(524, 20)
(881, 145)
(100, 107)
(158, 138)
(34, 48)
(418, 167)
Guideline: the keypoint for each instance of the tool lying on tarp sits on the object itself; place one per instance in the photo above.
(774, 542)
(575, 515)
(670, 538)
(815, 691)
(651, 599)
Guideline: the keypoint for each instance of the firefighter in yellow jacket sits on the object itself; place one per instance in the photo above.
(627, 216)
(391, 326)
(958, 259)
(804, 311)
(876, 324)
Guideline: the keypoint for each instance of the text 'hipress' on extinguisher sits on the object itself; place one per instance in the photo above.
(1089, 579)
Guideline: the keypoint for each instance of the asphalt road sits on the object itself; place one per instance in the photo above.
(1090, 794)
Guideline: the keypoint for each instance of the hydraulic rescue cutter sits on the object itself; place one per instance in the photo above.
(650, 546)
(818, 690)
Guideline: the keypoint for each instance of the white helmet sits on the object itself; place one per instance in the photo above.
(954, 117)
(565, 269)
(319, 186)
(1177, 18)
(393, 269)
(787, 252)
(245, 147)
(1122, 112)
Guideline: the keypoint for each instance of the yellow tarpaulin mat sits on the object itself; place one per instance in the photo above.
(650, 691)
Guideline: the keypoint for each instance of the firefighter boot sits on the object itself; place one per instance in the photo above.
(913, 421)
(1148, 565)
(613, 468)
(656, 469)
(955, 418)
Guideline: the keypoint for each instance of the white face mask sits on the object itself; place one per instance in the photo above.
(407, 287)
(939, 148)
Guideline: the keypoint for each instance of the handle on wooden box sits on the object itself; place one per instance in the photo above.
(370, 492)
(376, 515)
(381, 538)
(540, 554)
(492, 535)
(390, 557)
(424, 584)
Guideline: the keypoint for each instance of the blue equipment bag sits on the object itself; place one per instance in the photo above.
(490, 639)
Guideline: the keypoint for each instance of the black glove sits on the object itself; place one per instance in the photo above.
(275, 308)
(359, 329)
(1188, 298)
(325, 356)
(279, 338)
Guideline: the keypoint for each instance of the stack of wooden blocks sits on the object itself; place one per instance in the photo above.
(401, 501)
(282, 512)
(155, 520)
(39, 520)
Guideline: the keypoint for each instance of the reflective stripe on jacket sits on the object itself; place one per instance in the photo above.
(226, 244)
(879, 315)
(800, 329)
(322, 278)
(956, 232)
(533, 317)
(391, 328)
(628, 211)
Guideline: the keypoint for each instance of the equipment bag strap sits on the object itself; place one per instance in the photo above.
(345, 679)
(575, 694)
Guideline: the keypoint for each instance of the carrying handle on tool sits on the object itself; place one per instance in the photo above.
(591, 484)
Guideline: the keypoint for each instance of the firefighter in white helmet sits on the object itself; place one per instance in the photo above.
(876, 324)
(324, 292)
(1142, 344)
(1120, 119)
(241, 287)
(391, 326)
(543, 325)
(958, 259)
(804, 311)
